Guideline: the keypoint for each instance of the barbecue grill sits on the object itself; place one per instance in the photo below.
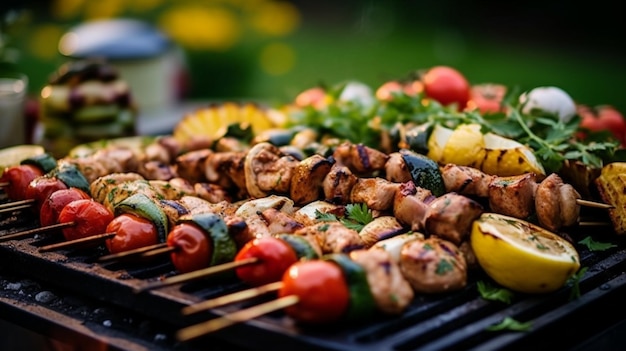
(67, 295)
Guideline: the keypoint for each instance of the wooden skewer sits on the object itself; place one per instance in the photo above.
(11, 209)
(94, 239)
(244, 315)
(130, 253)
(27, 233)
(3, 184)
(159, 251)
(588, 203)
(594, 224)
(231, 298)
(17, 203)
(195, 275)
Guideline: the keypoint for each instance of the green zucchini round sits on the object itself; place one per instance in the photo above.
(71, 176)
(45, 162)
(362, 304)
(303, 249)
(424, 172)
(141, 205)
(224, 247)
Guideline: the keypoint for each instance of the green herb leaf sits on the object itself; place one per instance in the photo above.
(596, 245)
(493, 293)
(509, 323)
(574, 281)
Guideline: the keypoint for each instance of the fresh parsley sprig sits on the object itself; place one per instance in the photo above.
(356, 216)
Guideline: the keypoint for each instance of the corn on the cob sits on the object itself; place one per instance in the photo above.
(611, 186)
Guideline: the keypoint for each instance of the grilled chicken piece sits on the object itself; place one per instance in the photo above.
(394, 244)
(555, 203)
(196, 205)
(361, 159)
(433, 265)
(279, 222)
(513, 196)
(211, 192)
(124, 190)
(333, 237)
(466, 180)
(102, 186)
(410, 205)
(238, 230)
(308, 175)
(190, 165)
(377, 193)
(173, 210)
(338, 184)
(468, 254)
(391, 291)
(256, 206)
(173, 189)
(157, 152)
(156, 170)
(103, 162)
(396, 170)
(308, 214)
(268, 170)
(380, 228)
(226, 169)
(450, 217)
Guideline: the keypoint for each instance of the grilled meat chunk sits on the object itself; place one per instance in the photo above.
(450, 217)
(333, 237)
(308, 176)
(433, 265)
(377, 193)
(361, 159)
(268, 170)
(190, 165)
(513, 196)
(380, 228)
(396, 170)
(338, 184)
(410, 205)
(466, 180)
(392, 292)
(212, 192)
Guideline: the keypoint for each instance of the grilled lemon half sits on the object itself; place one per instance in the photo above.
(522, 256)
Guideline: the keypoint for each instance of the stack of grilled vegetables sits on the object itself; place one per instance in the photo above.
(85, 101)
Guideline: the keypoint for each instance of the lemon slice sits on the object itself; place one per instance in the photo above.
(437, 142)
(506, 157)
(12, 156)
(522, 256)
(465, 147)
(213, 121)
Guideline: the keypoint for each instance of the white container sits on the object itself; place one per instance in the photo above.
(145, 58)
(12, 101)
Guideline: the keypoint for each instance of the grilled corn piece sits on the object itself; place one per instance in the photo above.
(611, 186)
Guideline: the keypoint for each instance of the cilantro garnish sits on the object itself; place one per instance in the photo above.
(574, 281)
(356, 216)
(493, 293)
(509, 323)
(596, 245)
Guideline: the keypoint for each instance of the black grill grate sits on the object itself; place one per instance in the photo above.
(445, 322)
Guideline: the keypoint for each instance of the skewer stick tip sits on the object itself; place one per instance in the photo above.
(595, 204)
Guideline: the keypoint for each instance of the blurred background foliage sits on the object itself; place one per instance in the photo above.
(273, 49)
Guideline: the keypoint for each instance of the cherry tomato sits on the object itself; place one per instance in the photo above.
(53, 205)
(194, 248)
(487, 98)
(131, 232)
(601, 118)
(447, 86)
(315, 97)
(275, 257)
(89, 217)
(18, 178)
(322, 291)
(41, 188)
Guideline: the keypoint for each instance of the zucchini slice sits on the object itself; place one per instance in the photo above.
(362, 304)
(304, 250)
(424, 172)
(141, 205)
(45, 162)
(224, 247)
